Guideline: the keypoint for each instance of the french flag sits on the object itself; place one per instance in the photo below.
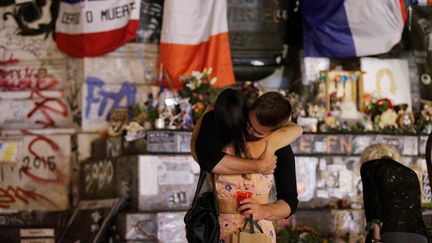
(194, 36)
(88, 28)
(350, 28)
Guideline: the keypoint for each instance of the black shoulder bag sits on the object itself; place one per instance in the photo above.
(202, 224)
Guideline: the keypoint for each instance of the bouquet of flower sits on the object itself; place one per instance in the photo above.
(378, 107)
(198, 87)
(146, 112)
(424, 121)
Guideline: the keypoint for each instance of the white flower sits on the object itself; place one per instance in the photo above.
(207, 71)
(197, 74)
(213, 81)
(191, 85)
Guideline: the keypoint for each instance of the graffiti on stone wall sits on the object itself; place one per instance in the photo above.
(40, 179)
(38, 160)
(346, 144)
(98, 177)
(16, 76)
(48, 108)
(100, 97)
(104, 100)
(34, 46)
(34, 109)
(28, 13)
(113, 147)
(10, 195)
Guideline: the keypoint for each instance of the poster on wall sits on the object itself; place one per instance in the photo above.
(311, 68)
(150, 21)
(306, 177)
(421, 37)
(387, 78)
(9, 150)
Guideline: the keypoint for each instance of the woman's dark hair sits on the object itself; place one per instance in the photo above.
(231, 116)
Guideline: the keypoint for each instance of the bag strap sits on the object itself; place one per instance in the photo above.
(253, 224)
(213, 178)
(201, 180)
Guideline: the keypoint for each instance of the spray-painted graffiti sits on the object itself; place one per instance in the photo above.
(27, 13)
(113, 147)
(34, 110)
(345, 144)
(47, 162)
(21, 75)
(98, 176)
(47, 108)
(40, 179)
(100, 97)
(10, 195)
(96, 94)
(27, 78)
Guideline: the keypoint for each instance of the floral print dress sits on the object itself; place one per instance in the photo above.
(226, 188)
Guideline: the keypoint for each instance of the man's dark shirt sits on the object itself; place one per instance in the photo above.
(391, 196)
(209, 151)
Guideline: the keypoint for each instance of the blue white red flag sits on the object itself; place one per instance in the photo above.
(88, 28)
(349, 28)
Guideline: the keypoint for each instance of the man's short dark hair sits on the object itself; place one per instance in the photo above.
(272, 109)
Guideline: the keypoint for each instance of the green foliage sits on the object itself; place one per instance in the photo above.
(288, 235)
(429, 232)
(303, 234)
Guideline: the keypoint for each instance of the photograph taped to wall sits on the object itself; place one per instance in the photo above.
(387, 78)
(311, 68)
(340, 86)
